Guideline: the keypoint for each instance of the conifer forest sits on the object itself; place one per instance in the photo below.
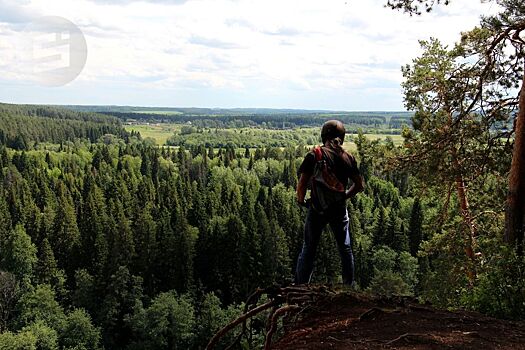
(130, 228)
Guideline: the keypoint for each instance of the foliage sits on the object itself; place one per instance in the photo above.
(501, 287)
(18, 341)
(467, 120)
(168, 323)
(9, 293)
(79, 333)
(414, 7)
(40, 305)
(394, 273)
(46, 338)
(212, 317)
(243, 138)
(20, 258)
(21, 127)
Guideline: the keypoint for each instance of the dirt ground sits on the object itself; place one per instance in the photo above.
(350, 321)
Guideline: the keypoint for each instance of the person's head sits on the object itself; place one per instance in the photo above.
(331, 130)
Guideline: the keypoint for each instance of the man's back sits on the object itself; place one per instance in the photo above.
(342, 164)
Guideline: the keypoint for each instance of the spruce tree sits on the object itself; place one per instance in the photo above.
(65, 236)
(415, 229)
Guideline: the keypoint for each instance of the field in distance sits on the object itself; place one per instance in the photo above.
(161, 132)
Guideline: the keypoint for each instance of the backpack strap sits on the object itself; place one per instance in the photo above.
(318, 154)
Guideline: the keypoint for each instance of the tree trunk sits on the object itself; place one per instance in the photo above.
(464, 208)
(514, 214)
(471, 228)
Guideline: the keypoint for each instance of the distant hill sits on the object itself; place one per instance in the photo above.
(225, 111)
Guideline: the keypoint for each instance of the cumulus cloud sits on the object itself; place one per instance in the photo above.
(324, 54)
(16, 12)
(284, 31)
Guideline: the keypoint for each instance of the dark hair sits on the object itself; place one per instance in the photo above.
(336, 144)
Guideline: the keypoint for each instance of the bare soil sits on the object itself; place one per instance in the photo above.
(352, 321)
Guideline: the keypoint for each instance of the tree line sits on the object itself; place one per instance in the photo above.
(23, 126)
(273, 121)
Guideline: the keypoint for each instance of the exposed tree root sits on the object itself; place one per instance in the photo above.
(375, 312)
(413, 338)
(273, 324)
(348, 341)
(371, 314)
(283, 302)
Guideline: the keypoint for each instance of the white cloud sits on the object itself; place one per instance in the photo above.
(16, 11)
(246, 46)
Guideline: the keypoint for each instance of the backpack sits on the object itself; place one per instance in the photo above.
(327, 190)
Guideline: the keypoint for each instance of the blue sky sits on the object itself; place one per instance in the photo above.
(329, 54)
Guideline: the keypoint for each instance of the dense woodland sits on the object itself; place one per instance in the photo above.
(121, 245)
(19, 127)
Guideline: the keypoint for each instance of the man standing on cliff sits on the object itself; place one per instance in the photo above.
(326, 170)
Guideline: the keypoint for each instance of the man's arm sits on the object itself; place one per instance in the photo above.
(302, 185)
(357, 186)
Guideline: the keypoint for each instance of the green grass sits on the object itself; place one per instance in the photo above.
(159, 132)
(350, 146)
(398, 139)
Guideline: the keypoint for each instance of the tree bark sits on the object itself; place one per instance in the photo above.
(471, 228)
(464, 207)
(515, 211)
